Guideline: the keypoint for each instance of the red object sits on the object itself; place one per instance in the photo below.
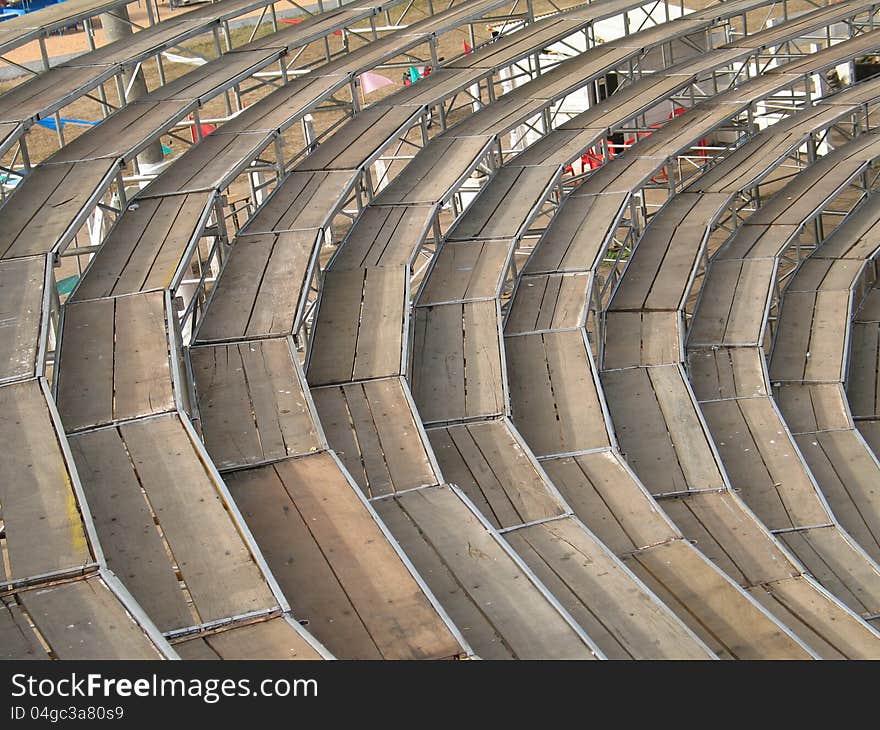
(467, 49)
(594, 159)
(205, 129)
(297, 21)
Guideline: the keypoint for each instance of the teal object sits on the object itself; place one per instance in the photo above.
(65, 286)
(414, 74)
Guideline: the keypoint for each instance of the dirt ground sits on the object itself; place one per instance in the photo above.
(43, 142)
(75, 41)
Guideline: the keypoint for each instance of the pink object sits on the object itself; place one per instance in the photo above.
(371, 82)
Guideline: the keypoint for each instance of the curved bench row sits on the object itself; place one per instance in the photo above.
(650, 298)
(642, 362)
(863, 382)
(559, 414)
(338, 416)
(359, 340)
(210, 602)
(810, 352)
(571, 246)
(117, 314)
(358, 601)
(58, 599)
(249, 305)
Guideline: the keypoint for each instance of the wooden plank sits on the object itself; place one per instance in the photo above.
(578, 233)
(438, 377)
(26, 101)
(757, 240)
(219, 570)
(870, 307)
(826, 358)
(356, 141)
(827, 274)
(289, 103)
(486, 461)
(115, 361)
(762, 462)
(273, 639)
(667, 253)
(210, 165)
(733, 302)
(642, 431)
(128, 533)
(462, 465)
(561, 81)
(434, 171)
(870, 431)
(353, 441)
(624, 619)
(142, 382)
(502, 208)
(508, 46)
(848, 476)
(145, 249)
(17, 639)
(42, 524)
(549, 301)
(384, 236)
(251, 403)
(335, 333)
(809, 407)
(303, 200)
(635, 339)
(470, 270)
(457, 361)
(201, 83)
(331, 559)
(46, 204)
(371, 427)
(358, 334)
(520, 618)
(710, 605)
(827, 627)
(604, 495)
(84, 620)
(402, 446)
(85, 381)
(554, 400)
(730, 537)
(837, 564)
(863, 381)
(726, 372)
(394, 609)
(563, 146)
(440, 558)
(499, 117)
(121, 133)
(260, 288)
(691, 443)
(380, 337)
(171, 246)
(628, 102)
(21, 301)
